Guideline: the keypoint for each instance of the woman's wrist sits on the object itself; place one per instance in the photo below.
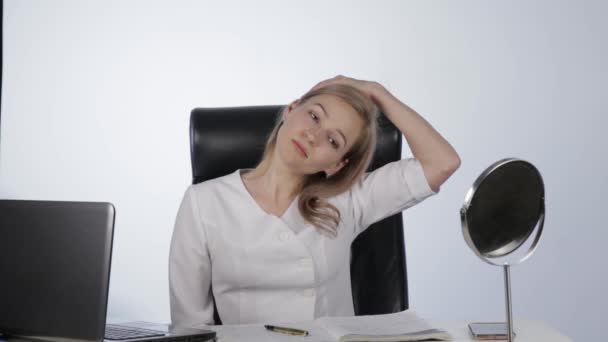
(376, 90)
(381, 97)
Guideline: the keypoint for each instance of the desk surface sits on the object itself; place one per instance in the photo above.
(526, 330)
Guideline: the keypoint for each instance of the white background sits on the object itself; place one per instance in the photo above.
(96, 98)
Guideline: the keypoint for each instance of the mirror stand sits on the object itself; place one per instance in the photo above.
(500, 214)
(506, 268)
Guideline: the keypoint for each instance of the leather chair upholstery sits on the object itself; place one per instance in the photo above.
(223, 140)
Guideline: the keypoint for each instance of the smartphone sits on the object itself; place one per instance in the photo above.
(489, 331)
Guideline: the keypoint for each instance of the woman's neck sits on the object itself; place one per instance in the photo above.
(275, 183)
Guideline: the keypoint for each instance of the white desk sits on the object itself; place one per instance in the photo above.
(526, 330)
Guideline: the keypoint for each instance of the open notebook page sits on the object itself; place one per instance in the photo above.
(257, 333)
(381, 326)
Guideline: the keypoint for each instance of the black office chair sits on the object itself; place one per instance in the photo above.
(223, 140)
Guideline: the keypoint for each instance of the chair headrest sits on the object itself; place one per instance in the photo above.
(223, 140)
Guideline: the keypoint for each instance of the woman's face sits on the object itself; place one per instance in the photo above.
(317, 133)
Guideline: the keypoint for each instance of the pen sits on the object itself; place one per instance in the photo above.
(285, 330)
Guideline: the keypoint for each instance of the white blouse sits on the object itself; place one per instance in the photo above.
(265, 268)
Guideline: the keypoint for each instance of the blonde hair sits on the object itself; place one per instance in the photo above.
(316, 188)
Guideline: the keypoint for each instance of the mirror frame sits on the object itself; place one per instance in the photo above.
(465, 218)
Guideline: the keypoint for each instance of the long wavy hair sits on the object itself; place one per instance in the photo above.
(317, 188)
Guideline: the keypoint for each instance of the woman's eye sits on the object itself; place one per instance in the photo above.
(313, 116)
(333, 142)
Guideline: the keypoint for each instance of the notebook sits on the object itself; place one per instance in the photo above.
(55, 268)
(401, 326)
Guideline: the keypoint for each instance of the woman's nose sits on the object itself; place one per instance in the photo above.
(311, 136)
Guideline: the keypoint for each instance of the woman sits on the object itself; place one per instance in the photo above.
(274, 242)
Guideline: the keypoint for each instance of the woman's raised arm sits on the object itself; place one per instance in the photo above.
(438, 158)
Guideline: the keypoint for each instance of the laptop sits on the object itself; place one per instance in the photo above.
(55, 262)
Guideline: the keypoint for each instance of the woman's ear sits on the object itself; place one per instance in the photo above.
(334, 169)
(291, 107)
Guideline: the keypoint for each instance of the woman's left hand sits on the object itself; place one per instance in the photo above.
(369, 88)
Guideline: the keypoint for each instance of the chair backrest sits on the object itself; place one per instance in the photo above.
(223, 140)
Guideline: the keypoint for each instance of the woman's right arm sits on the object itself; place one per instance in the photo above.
(190, 268)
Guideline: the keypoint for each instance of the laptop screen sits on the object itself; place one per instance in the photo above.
(55, 268)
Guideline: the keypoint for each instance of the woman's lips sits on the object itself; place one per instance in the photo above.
(300, 148)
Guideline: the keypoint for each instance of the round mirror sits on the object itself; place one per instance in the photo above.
(505, 205)
(502, 209)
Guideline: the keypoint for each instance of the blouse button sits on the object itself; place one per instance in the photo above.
(307, 262)
(308, 292)
(284, 236)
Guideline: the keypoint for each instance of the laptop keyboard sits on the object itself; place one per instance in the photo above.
(120, 332)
